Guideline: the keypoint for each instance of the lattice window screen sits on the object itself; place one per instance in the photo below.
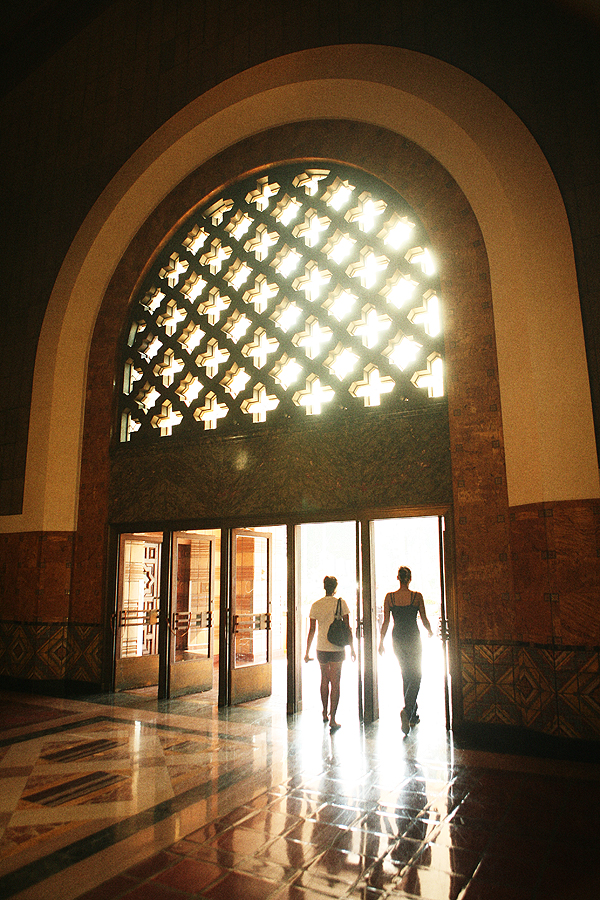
(301, 291)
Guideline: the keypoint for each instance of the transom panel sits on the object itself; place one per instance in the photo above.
(300, 291)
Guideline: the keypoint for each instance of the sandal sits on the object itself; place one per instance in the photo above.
(404, 721)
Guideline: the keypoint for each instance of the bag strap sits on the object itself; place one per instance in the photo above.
(338, 609)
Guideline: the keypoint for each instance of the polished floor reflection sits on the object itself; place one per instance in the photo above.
(126, 796)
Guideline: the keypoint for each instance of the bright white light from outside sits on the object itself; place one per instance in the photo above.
(313, 338)
(286, 210)
(287, 261)
(367, 213)
(148, 398)
(167, 420)
(344, 364)
(428, 315)
(432, 380)
(191, 337)
(341, 245)
(404, 353)
(341, 306)
(372, 387)
(314, 397)
(371, 327)
(189, 389)
(399, 292)
(399, 235)
(260, 404)
(286, 318)
(423, 258)
(238, 274)
(235, 381)
(339, 194)
(152, 348)
(236, 327)
(288, 373)
(239, 225)
(211, 412)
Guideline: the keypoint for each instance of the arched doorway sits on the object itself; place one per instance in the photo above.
(293, 316)
(338, 469)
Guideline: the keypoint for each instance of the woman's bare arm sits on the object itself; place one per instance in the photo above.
(423, 615)
(386, 621)
(309, 639)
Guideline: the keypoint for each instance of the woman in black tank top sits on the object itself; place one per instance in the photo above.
(403, 606)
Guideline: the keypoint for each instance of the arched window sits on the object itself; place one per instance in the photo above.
(303, 290)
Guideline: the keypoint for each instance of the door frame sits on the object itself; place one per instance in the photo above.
(366, 625)
(240, 679)
(182, 672)
(148, 664)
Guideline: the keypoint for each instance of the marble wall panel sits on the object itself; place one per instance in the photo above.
(37, 640)
(36, 572)
(556, 569)
(389, 461)
(56, 569)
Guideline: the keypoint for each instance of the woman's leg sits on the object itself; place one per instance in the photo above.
(325, 689)
(335, 673)
(411, 677)
(409, 657)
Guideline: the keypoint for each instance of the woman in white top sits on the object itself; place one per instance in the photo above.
(330, 656)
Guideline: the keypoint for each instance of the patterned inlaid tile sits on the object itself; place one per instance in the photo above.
(92, 787)
(85, 750)
(17, 838)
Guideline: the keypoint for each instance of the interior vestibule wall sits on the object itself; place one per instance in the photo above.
(44, 642)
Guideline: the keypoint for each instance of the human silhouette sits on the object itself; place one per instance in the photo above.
(404, 605)
(330, 656)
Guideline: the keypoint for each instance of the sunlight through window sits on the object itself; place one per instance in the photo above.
(297, 292)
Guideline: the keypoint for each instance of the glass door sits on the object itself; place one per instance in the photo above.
(191, 621)
(136, 618)
(251, 655)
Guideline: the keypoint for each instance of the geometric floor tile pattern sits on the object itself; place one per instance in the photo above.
(124, 796)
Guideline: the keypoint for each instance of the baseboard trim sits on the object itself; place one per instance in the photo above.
(67, 689)
(524, 742)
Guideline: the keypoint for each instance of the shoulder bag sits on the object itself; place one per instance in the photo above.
(339, 632)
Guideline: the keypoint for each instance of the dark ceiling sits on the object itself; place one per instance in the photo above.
(31, 32)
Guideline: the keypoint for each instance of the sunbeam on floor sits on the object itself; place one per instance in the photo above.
(127, 796)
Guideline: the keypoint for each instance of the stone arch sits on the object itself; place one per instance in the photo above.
(494, 161)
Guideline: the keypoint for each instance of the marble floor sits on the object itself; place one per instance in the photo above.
(123, 795)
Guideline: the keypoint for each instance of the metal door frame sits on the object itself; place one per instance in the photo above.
(173, 623)
(262, 670)
(366, 628)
